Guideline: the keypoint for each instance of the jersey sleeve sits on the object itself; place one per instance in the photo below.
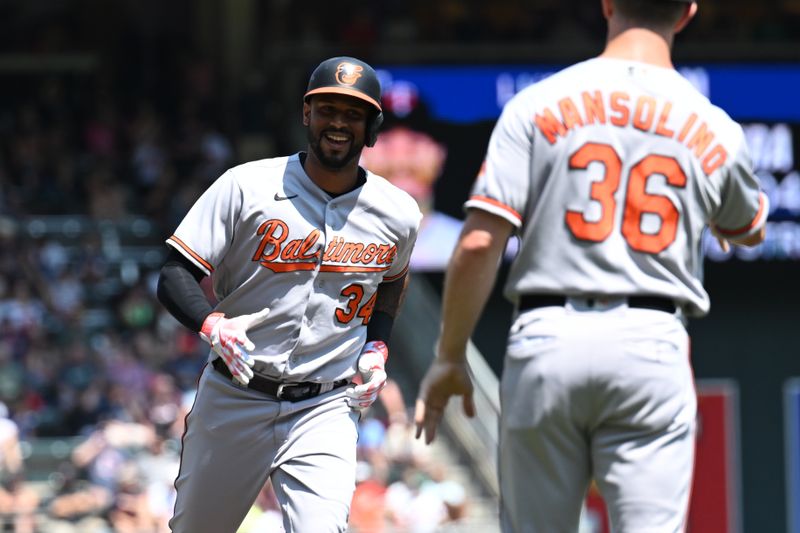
(205, 233)
(743, 206)
(405, 244)
(504, 179)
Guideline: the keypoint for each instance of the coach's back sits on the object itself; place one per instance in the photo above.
(628, 164)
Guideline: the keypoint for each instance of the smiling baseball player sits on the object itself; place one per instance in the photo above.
(308, 256)
(610, 170)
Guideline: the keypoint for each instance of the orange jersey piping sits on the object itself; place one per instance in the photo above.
(499, 204)
(761, 206)
(192, 253)
(397, 276)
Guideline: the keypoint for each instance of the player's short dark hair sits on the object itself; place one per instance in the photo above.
(656, 14)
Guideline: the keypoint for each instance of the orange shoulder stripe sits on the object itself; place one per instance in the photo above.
(499, 204)
(396, 276)
(761, 206)
(191, 252)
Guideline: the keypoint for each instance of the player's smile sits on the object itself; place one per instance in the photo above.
(337, 139)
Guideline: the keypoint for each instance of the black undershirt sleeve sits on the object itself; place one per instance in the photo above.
(379, 327)
(180, 293)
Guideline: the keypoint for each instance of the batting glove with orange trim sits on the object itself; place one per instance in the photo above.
(372, 369)
(228, 338)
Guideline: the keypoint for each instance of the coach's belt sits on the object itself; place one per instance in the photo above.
(291, 392)
(659, 303)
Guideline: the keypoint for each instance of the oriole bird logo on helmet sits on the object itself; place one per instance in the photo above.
(348, 73)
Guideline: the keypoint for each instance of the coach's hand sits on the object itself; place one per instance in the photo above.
(443, 379)
(372, 369)
(228, 337)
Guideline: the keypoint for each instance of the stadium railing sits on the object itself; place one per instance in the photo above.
(414, 339)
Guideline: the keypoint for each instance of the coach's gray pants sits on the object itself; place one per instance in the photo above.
(606, 394)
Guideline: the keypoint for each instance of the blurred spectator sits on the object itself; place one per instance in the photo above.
(77, 505)
(67, 296)
(104, 452)
(18, 502)
(121, 474)
(164, 402)
(130, 511)
(398, 485)
(89, 261)
(101, 130)
(368, 509)
(158, 465)
(53, 258)
(423, 499)
(148, 153)
(106, 196)
(137, 309)
(408, 155)
(414, 504)
(21, 309)
(265, 515)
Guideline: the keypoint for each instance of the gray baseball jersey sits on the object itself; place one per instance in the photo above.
(611, 170)
(269, 237)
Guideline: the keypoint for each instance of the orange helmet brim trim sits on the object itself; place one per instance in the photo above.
(346, 91)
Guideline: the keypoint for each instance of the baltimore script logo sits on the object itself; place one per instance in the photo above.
(279, 255)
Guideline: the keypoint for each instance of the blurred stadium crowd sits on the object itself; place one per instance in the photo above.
(97, 167)
(81, 24)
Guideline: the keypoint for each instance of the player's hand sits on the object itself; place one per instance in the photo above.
(228, 338)
(372, 369)
(443, 380)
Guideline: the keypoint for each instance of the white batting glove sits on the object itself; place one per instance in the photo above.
(228, 338)
(371, 367)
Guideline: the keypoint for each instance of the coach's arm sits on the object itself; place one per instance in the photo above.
(468, 283)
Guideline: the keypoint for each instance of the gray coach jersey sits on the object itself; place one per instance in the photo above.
(611, 170)
(270, 237)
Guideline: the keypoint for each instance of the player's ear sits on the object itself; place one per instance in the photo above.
(688, 15)
(306, 113)
(608, 8)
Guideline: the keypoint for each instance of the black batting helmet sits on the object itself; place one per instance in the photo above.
(351, 77)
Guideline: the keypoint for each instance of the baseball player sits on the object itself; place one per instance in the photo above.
(308, 256)
(609, 170)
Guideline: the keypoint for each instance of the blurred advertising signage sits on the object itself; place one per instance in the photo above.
(774, 150)
(791, 398)
(715, 500)
(479, 92)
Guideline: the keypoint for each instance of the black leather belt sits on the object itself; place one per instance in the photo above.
(291, 392)
(659, 303)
